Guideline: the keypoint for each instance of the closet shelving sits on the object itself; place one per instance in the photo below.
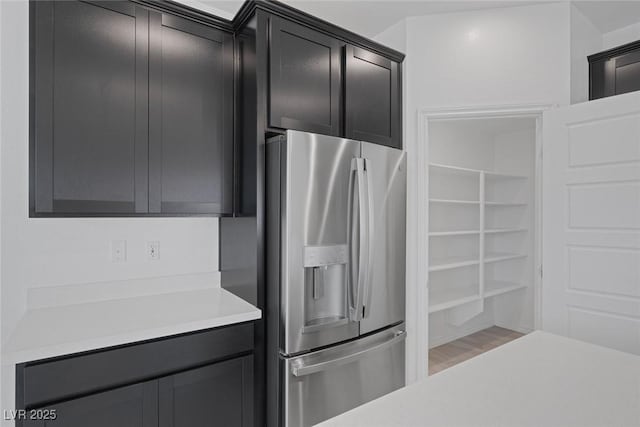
(467, 208)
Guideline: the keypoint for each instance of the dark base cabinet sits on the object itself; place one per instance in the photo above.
(203, 379)
(215, 395)
(132, 406)
(615, 71)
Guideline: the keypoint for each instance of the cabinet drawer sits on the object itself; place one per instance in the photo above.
(41, 382)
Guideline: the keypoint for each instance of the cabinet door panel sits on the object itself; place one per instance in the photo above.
(627, 73)
(191, 117)
(304, 79)
(89, 141)
(215, 395)
(616, 73)
(372, 98)
(132, 406)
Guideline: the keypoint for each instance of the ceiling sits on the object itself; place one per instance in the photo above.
(610, 15)
(371, 17)
(366, 17)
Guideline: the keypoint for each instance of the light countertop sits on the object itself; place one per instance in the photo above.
(55, 331)
(538, 380)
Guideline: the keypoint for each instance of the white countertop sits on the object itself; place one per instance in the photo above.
(55, 331)
(540, 380)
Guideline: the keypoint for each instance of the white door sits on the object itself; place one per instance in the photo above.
(591, 222)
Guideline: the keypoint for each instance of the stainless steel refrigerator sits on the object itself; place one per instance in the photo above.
(336, 220)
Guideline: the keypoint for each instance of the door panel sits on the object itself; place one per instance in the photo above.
(304, 90)
(591, 217)
(90, 107)
(191, 107)
(326, 383)
(372, 98)
(385, 299)
(216, 395)
(132, 406)
(314, 196)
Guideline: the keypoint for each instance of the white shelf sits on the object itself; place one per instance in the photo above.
(504, 230)
(496, 287)
(455, 202)
(454, 233)
(492, 174)
(452, 262)
(444, 299)
(501, 175)
(499, 256)
(454, 169)
(506, 204)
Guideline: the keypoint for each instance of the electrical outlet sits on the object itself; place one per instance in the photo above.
(118, 251)
(153, 251)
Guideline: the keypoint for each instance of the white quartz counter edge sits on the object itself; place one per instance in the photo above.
(537, 380)
(55, 331)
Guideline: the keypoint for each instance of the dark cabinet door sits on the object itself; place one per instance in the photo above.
(216, 395)
(373, 110)
(615, 71)
(304, 89)
(190, 117)
(627, 72)
(132, 406)
(88, 107)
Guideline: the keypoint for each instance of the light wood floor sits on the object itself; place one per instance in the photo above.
(454, 352)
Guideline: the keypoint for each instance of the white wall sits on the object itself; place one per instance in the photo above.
(621, 36)
(499, 56)
(586, 39)
(396, 38)
(54, 252)
(504, 56)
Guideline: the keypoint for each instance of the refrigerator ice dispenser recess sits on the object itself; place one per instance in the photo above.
(325, 287)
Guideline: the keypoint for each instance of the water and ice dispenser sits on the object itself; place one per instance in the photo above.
(325, 287)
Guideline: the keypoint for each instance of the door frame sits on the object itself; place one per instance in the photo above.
(417, 231)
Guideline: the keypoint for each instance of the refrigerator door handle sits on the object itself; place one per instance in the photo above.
(302, 369)
(370, 240)
(358, 248)
(352, 278)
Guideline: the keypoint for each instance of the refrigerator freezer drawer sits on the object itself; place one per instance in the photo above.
(326, 383)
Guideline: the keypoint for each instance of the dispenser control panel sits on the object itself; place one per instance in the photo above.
(317, 256)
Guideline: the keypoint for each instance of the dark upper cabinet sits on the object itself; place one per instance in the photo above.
(89, 107)
(304, 87)
(615, 71)
(190, 117)
(131, 112)
(215, 395)
(372, 98)
(132, 406)
(318, 84)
